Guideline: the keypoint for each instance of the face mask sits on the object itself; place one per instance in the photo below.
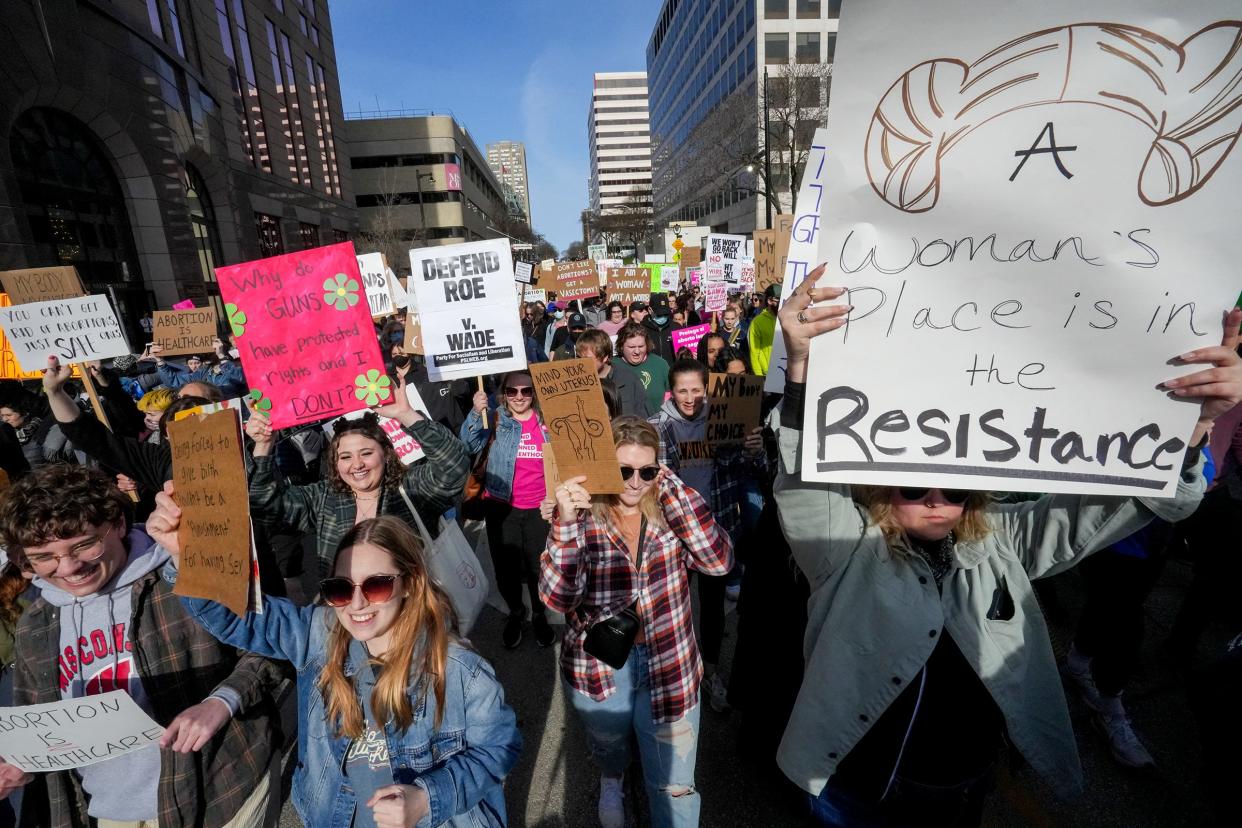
(558, 315)
(659, 320)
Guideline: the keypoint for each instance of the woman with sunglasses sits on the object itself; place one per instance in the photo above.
(610, 556)
(925, 644)
(399, 724)
(512, 491)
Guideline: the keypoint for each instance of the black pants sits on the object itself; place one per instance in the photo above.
(1210, 535)
(711, 614)
(516, 538)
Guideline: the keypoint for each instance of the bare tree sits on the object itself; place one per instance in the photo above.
(576, 250)
(384, 231)
(630, 222)
(797, 104)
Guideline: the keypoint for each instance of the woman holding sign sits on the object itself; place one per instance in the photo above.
(925, 644)
(619, 566)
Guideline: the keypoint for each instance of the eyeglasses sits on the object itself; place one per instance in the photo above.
(85, 552)
(954, 496)
(339, 592)
(524, 391)
(646, 473)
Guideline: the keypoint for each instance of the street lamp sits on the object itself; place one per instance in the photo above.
(422, 209)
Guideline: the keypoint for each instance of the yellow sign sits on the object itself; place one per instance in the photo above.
(678, 244)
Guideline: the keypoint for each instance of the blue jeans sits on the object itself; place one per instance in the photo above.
(668, 750)
(907, 804)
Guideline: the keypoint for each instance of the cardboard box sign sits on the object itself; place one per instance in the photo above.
(576, 416)
(180, 332)
(734, 404)
(41, 284)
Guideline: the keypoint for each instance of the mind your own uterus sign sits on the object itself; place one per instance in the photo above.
(1033, 217)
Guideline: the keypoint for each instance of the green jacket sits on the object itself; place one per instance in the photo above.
(874, 616)
(760, 337)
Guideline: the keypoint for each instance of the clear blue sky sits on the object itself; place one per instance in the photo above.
(518, 70)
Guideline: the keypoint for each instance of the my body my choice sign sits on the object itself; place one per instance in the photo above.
(1033, 218)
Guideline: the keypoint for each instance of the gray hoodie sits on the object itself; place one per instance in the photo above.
(96, 656)
(694, 458)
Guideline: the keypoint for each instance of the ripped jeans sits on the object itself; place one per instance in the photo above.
(668, 750)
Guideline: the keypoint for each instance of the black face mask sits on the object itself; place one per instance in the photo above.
(401, 360)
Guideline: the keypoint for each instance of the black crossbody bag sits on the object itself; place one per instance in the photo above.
(612, 639)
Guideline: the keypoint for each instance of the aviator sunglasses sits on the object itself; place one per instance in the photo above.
(955, 496)
(339, 592)
(522, 391)
(646, 473)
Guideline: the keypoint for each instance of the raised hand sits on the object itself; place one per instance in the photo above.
(1219, 387)
(800, 323)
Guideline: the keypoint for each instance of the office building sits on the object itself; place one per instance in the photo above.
(420, 179)
(708, 56)
(508, 162)
(620, 142)
(147, 142)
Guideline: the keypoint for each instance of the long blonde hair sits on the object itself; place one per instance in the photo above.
(631, 431)
(425, 623)
(878, 501)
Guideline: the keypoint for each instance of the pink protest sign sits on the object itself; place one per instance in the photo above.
(303, 327)
(715, 296)
(184, 304)
(695, 274)
(689, 337)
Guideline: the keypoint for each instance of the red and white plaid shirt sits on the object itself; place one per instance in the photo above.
(587, 574)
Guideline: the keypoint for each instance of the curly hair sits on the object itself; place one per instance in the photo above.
(367, 426)
(59, 501)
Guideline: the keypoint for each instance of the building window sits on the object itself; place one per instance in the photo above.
(808, 9)
(309, 234)
(249, 110)
(206, 237)
(153, 16)
(174, 25)
(71, 199)
(832, 47)
(808, 89)
(776, 47)
(333, 184)
(315, 35)
(807, 49)
(280, 5)
(302, 25)
(775, 9)
(271, 243)
(339, 236)
(834, 9)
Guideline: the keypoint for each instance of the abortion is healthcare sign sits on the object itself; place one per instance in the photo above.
(303, 326)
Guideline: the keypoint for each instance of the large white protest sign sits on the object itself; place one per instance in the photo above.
(374, 274)
(724, 253)
(1034, 217)
(466, 297)
(76, 329)
(74, 733)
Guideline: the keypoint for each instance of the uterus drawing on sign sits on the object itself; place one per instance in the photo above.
(581, 431)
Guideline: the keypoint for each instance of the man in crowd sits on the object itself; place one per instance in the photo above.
(733, 332)
(763, 332)
(660, 325)
(627, 389)
(634, 345)
(563, 347)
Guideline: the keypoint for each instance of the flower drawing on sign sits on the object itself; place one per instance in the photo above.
(340, 291)
(237, 318)
(258, 402)
(372, 387)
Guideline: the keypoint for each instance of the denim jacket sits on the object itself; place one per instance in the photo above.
(501, 457)
(461, 766)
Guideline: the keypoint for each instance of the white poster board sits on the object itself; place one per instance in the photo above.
(400, 297)
(604, 265)
(523, 272)
(374, 274)
(408, 449)
(670, 278)
(531, 294)
(74, 733)
(1033, 219)
(597, 251)
(467, 299)
(76, 329)
(724, 254)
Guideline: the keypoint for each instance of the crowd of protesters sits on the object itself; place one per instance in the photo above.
(890, 649)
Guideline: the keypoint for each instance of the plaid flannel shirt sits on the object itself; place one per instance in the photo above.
(587, 573)
(180, 664)
(433, 484)
(730, 466)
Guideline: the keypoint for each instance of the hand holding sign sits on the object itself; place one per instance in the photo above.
(1218, 386)
(12, 778)
(800, 322)
(195, 726)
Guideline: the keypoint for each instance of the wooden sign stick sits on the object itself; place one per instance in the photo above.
(98, 408)
(484, 414)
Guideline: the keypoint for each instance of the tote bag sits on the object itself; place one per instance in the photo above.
(454, 566)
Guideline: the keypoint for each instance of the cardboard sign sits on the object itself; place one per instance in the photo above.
(576, 280)
(374, 272)
(771, 250)
(466, 298)
(303, 326)
(595, 252)
(551, 475)
(74, 733)
(724, 253)
(41, 284)
(689, 337)
(576, 416)
(74, 330)
(180, 332)
(523, 272)
(1030, 260)
(210, 475)
(413, 333)
(734, 402)
(715, 296)
(670, 278)
(629, 284)
(691, 257)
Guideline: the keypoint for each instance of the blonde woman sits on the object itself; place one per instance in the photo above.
(617, 561)
(398, 723)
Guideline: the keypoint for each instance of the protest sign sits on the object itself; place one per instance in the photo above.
(689, 337)
(184, 304)
(531, 294)
(74, 733)
(75, 329)
(576, 416)
(374, 271)
(576, 280)
(180, 332)
(694, 275)
(413, 333)
(691, 257)
(41, 284)
(1030, 282)
(734, 402)
(655, 258)
(771, 250)
(304, 330)
(605, 265)
(716, 296)
(746, 269)
(670, 278)
(653, 270)
(408, 449)
(595, 252)
(400, 297)
(465, 295)
(210, 475)
(523, 272)
(629, 284)
(723, 254)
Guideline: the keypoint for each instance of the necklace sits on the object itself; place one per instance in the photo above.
(360, 497)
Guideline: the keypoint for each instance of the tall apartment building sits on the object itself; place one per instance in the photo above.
(705, 54)
(508, 162)
(620, 141)
(147, 142)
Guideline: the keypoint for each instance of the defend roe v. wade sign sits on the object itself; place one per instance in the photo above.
(1032, 218)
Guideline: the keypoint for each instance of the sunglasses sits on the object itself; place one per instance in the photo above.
(646, 473)
(954, 496)
(524, 391)
(339, 592)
